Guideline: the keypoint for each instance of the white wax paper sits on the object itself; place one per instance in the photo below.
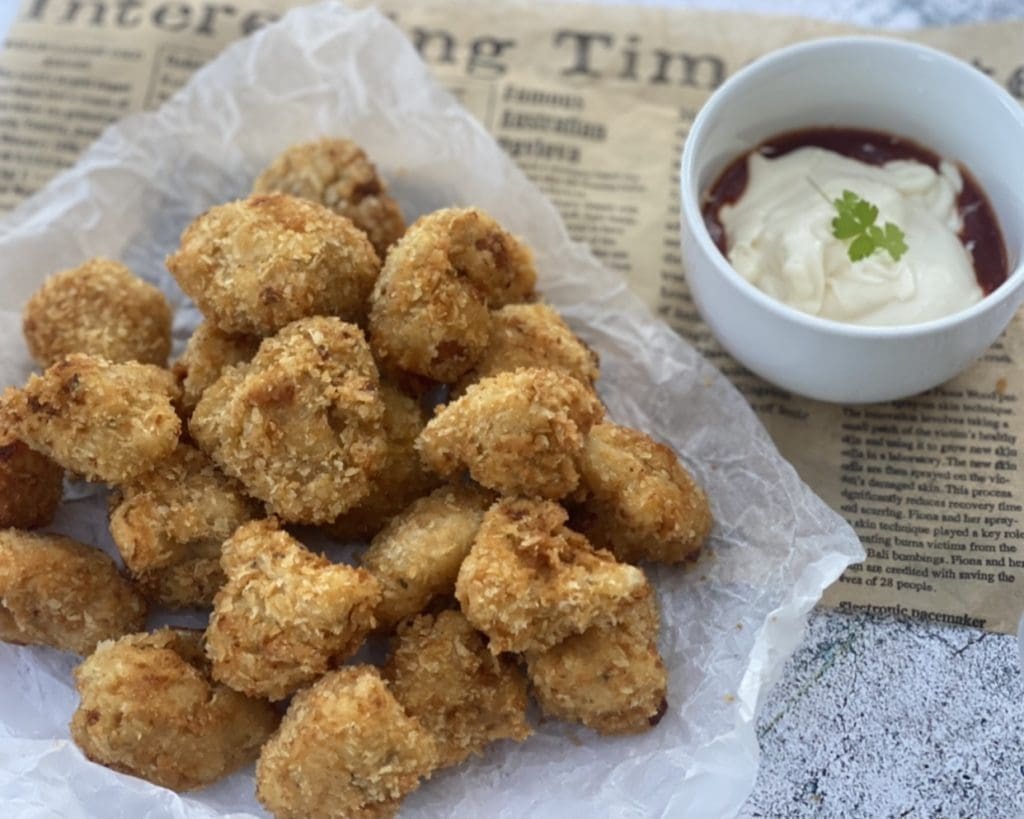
(730, 622)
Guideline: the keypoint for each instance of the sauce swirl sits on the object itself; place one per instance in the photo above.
(980, 233)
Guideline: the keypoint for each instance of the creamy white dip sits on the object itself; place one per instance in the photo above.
(779, 237)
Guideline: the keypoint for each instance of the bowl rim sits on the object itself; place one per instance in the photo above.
(691, 210)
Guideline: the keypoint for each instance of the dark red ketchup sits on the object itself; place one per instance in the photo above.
(980, 233)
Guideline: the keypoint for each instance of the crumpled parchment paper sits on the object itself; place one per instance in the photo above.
(730, 622)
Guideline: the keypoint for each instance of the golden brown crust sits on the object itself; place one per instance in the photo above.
(104, 421)
(99, 308)
(430, 307)
(301, 425)
(59, 592)
(345, 750)
(529, 582)
(519, 433)
(532, 335)
(443, 675)
(31, 485)
(416, 557)
(402, 477)
(208, 353)
(641, 503)
(337, 174)
(255, 265)
(610, 678)
(149, 708)
(285, 615)
(169, 525)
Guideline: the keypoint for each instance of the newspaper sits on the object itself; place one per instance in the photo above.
(594, 103)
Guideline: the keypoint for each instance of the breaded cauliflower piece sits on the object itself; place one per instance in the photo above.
(208, 353)
(106, 422)
(430, 308)
(301, 425)
(285, 615)
(401, 478)
(345, 750)
(641, 503)
(529, 582)
(58, 592)
(149, 708)
(169, 525)
(99, 308)
(519, 433)
(443, 675)
(610, 678)
(532, 335)
(255, 265)
(31, 485)
(337, 174)
(417, 556)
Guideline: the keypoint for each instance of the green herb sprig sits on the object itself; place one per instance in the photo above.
(856, 221)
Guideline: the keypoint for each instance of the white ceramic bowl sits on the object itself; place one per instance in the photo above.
(877, 84)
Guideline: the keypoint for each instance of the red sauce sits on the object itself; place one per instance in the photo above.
(980, 233)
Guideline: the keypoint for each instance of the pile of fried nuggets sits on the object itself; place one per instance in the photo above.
(502, 531)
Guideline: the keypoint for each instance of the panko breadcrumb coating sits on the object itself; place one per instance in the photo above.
(31, 485)
(208, 353)
(529, 582)
(100, 308)
(285, 615)
(61, 593)
(169, 525)
(149, 708)
(104, 421)
(641, 503)
(345, 750)
(417, 556)
(430, 308)
(519, 433)
(610, 678)
(301, 425)
(337, 174)
(400, 480)
(532, 335)
(255, 265)
(443, 675)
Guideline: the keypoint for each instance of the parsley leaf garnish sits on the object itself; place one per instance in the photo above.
(856, 220)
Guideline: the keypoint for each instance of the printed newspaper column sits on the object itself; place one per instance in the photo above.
(69, 68)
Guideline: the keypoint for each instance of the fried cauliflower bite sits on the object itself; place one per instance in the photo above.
(417, 556)
(31, 485)
(255, 265)
(149, 708)
(532, 335)
(301, 425)
(610, 678)
(208, 353)
(169, 525)
(104, 421)
(518, 433)
(337, 174)
(100, 308)
(529, 582)
(430, 308)
(443, 675)
(58, 592)
(641, 503)
(400, 480)
(345, 750)
(285, 616)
